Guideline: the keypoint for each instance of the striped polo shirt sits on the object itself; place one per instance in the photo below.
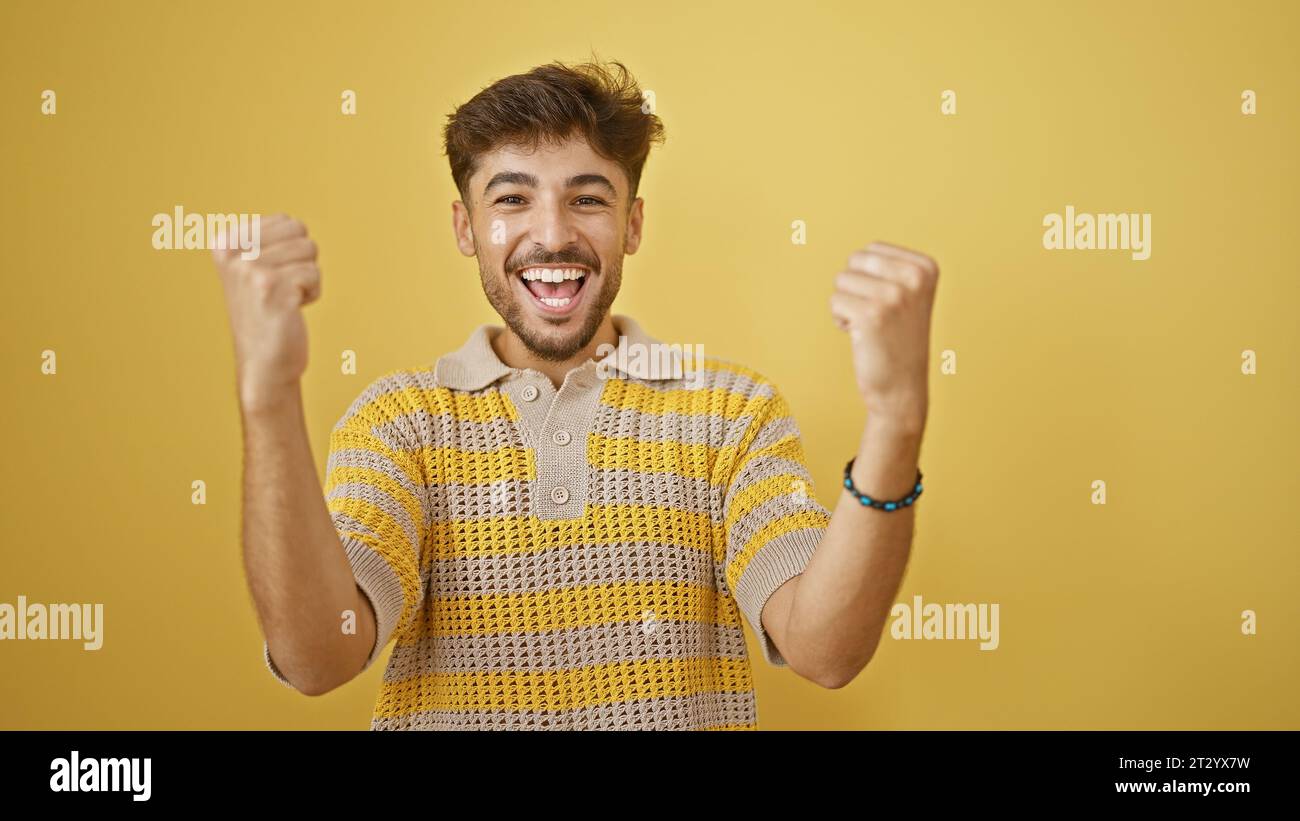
(578, 558)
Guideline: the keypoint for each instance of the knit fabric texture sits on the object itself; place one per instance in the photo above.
(579, 558)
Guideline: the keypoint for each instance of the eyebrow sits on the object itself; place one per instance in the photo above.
(529, 180)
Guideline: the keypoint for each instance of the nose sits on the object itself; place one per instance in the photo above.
(553, 228)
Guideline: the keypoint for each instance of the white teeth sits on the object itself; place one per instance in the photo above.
(553, 274)
(556, 303)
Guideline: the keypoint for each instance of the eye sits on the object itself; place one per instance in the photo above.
(510, 197)
(593, 200)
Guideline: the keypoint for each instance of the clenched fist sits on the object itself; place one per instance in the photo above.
(884, 300)
(264, 299)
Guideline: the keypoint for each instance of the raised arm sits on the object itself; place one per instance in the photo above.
(296, 567)
(828, 620)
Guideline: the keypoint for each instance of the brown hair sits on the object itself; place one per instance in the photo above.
(551, 102)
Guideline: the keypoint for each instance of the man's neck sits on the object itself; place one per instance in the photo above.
(511, 350)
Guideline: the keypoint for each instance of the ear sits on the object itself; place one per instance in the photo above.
(463, 228)
(635, 220)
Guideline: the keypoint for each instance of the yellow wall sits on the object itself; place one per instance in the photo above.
(1072, 366)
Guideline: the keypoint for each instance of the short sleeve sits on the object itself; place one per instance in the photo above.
(773, 521)
(376, 495)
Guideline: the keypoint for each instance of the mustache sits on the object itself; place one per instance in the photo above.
(557, 260)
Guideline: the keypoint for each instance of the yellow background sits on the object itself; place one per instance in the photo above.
(1072, 366)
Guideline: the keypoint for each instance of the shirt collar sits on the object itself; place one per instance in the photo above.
(475, 365)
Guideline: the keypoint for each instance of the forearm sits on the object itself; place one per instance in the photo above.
(297, 570)
(844, 596)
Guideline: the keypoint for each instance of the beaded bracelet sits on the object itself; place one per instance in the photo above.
(867, 501)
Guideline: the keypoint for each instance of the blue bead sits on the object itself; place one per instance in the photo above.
(908, 500)
(848, 483)
(918, 487)
(890, 506)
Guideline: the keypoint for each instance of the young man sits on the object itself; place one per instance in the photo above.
(558, 537)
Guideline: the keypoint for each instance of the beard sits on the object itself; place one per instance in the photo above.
(562, 339)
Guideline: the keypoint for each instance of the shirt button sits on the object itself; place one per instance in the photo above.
(559, 495)
(561, 437)
(530, 393)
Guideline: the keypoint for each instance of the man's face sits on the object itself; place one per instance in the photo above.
(558, 213)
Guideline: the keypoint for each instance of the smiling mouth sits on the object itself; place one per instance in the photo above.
(555, 289)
